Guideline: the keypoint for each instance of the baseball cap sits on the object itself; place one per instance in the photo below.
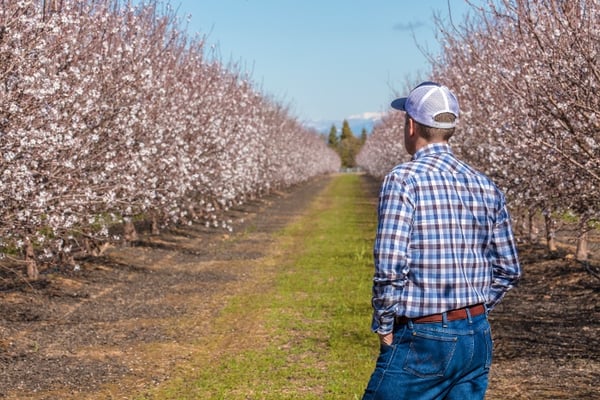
(426, 101)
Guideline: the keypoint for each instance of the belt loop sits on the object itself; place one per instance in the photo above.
(410, 324)
(444, 319)
(468, 311)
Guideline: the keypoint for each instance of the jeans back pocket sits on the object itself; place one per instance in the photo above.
(429, 354)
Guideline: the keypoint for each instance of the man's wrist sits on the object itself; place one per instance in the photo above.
(386, 338)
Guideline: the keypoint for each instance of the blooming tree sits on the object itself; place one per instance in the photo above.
(384, 148)
(110, 111)
(527, 75)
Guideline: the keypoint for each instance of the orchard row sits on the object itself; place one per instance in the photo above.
(110, 112)
(527, 76)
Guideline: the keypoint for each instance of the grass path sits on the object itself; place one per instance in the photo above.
(301, 330)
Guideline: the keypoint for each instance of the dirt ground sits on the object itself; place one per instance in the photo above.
(121, 323)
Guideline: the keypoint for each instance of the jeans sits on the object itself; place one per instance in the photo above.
(438, 360)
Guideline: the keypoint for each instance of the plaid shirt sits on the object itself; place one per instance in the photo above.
(444, 240)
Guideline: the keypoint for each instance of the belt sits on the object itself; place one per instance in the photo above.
(452, 315)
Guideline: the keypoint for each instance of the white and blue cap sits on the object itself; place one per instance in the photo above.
(427, 101)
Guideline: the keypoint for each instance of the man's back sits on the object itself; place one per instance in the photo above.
(453, 210)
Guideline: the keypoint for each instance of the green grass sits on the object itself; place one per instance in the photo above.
(315, 341)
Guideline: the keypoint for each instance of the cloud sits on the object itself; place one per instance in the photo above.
(411, 26)
(368, 115)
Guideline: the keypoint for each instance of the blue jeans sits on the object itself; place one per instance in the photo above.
(438, 360)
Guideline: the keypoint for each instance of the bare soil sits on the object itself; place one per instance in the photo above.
(124, 322)
(547, 331)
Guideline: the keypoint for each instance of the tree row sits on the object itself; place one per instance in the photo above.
(111, 112)
(527, 76)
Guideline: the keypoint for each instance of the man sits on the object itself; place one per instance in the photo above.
(444, 254)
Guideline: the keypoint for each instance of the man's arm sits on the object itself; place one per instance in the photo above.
(395, 214)
(506, 267)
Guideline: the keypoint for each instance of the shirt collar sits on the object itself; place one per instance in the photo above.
(432, 148)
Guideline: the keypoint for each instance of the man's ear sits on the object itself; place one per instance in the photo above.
(411, 127)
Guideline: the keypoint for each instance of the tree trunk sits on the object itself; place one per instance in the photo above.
(32, 268)
(129, 233)
(93, 248)
(192, 211)
(550, 231)
(582, 247)
(155, 229)
(532, 229)
(66, 260)
(582, 240)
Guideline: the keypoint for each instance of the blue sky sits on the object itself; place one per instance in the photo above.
(326, 59)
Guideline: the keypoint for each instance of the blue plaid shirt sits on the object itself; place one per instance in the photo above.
(444, 239)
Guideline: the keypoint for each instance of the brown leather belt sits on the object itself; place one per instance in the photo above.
(452, 315)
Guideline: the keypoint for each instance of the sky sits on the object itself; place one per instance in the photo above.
(324, 59)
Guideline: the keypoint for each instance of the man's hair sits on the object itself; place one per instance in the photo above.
(428, 133)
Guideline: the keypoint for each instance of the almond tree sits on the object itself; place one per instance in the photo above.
(526, 74)
(109, 112)
(384, 148)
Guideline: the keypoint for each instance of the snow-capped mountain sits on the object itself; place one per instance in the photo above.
(357, 122)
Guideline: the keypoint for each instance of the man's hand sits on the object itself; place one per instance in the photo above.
(386, 339)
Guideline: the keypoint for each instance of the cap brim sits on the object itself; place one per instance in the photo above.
(399, 104)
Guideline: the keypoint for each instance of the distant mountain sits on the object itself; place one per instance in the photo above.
(357, 122)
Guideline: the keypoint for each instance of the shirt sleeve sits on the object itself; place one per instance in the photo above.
(395, 215)
(505, 263)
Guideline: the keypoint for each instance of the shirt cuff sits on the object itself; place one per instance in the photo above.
(383, 325)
